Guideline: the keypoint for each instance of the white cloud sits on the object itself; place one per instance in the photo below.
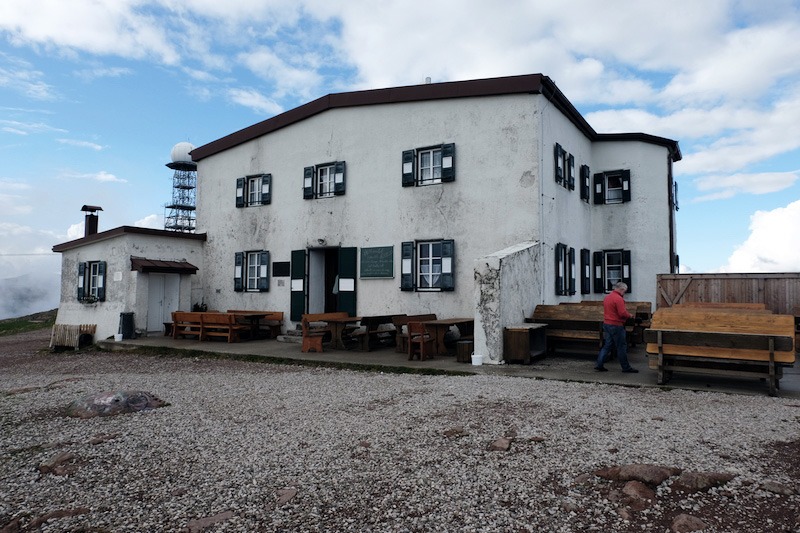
(101, 176)
(103, 72)
(772, 243)
(255, 101)
(81, 144)
(300, 80)
(19, 76)
(727, 186)
(26, 128)
(150, 221)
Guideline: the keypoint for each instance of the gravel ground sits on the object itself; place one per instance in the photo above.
(260, 447)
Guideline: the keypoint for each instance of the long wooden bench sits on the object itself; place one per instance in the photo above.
(221, 325)
(401, 326)
(186, 323)
(316, 330)
(642, 312)
(372, 332)
(271, 324)
(719, 341)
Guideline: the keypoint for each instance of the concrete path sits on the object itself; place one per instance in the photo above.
(564, 366)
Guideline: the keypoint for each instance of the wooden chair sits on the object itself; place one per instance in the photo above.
(420, 342)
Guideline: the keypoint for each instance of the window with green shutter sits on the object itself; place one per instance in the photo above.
(428, 166)
(427, 265)
(612, 187)
(324, 181)
(254, 190)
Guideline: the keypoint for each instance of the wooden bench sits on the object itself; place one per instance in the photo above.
(186, 323)
(316, 330)
(570, 323)
(372, 334)
(719, 341)
(271, 324)
(401, 329)
(641, 311)
(221, 325)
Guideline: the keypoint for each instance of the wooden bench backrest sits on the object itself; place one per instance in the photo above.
(180, 317)
(322, 317)
(269, 315)
(402, 320)
(372, 322)
(740, 341)
(722, 305)
(568, 312)
(223, 319)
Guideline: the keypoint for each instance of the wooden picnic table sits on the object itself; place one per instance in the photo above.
(338, 326)
(253, 317)
(439, 328)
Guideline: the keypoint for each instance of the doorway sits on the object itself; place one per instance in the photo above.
(323, 281)
(163, 297)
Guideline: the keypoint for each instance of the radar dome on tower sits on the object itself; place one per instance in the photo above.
(180, 152)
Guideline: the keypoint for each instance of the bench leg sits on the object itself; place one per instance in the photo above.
(312, 344)
(772, 381)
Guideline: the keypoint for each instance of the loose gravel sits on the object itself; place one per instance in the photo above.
(261, 447)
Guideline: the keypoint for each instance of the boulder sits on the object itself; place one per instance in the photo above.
(113, 403)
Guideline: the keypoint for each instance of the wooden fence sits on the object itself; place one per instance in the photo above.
(779, 292)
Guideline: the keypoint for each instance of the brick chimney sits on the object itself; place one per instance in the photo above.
(90, 225)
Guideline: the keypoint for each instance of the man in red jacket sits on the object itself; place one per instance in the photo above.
(614, 317)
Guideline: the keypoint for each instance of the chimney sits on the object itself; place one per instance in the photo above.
(90, 225)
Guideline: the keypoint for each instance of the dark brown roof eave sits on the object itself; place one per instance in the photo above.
(525, 84)
(124, 230)
(672, 146)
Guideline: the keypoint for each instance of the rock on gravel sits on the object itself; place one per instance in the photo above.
(261, 447)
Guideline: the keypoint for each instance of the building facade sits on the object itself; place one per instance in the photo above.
(479, 199)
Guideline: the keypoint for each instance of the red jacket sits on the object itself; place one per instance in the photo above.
(614, 312)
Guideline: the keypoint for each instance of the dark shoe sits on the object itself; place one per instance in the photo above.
(600, 369)
(630, 371)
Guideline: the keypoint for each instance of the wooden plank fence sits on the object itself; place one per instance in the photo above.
(70, 335)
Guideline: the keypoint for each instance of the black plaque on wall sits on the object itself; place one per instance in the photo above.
(377, 262)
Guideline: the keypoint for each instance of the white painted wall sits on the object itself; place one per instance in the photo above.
(126, 290)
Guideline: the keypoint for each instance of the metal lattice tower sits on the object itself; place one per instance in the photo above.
(181, 214)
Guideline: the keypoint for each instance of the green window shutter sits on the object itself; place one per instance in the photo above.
(599, 266)
(675, 195)
(448, 162)
(346, 299)
(626, 269)
(560, 268)
(571, 270)
(558, 154)
(448, 265)
(626, 185)
(263, 273)
(585, 182)
(599, 188)
(266, 189)
(101, 281)
(338, 178)
(238, 267)
(570, 172)
(297, 302)
(407, 266)
(81, 280)
(240, 192)
(308, 183)
(408, 168)
(586, 274)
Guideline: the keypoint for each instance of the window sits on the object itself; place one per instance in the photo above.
(586, 186)
(426, 166)
(611, 266)
(251, 271)
(92, 281)
(254, 190)
(612, 187)
(570, 181)
(427, 266)
(565, 270)
(560, 162)
(324, 181)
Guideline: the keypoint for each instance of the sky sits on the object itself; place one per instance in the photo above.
(95, 93)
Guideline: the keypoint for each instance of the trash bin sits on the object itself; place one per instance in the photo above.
(126, 325)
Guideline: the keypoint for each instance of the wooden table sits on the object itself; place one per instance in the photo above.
(338, 327)
(439, 328)
(254, 319)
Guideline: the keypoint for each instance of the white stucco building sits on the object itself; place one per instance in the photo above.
(479, 198)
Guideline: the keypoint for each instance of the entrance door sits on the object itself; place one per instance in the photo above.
(163, 294)
(323, 281)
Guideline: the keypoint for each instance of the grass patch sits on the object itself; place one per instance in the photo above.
(12, 326)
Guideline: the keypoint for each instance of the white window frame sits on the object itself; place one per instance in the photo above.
(94, 281)
(429, 265)
(253, 190)
(325, 179)
(614, 272)
(614, 195)
(253, 268)
(428, 174)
